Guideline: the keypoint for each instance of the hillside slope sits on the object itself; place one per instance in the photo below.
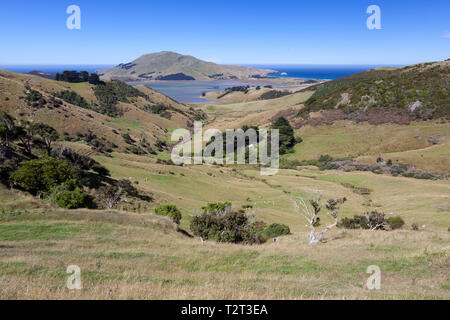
(173, 66)
(76, 110)
(418, 92)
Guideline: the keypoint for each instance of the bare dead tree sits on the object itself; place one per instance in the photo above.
(110, 196)
(310, 210)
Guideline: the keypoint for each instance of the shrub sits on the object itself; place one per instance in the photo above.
(158, 108)
(73, 98)
(276, 230)
(415, 227)
(372, 221)
(126, 137)
(216, 207)
(42, 175)
(169, 210)
(227, 226)
(325, 158)
(396, 222)
(70, 196)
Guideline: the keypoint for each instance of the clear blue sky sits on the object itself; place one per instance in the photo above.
(244, 32)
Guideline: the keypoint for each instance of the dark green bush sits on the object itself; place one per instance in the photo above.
(227, 226)
(70, 196)
(42, 175)
(372, 221)
(276, 230)
(169, 210)
(396, 222)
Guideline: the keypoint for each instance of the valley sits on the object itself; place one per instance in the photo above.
(129, 252)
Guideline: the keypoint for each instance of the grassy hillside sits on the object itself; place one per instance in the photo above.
(405, 143)
(75, 109)
(385, 95)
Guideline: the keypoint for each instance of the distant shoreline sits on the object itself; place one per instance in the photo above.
(277, 81)
(192, 91)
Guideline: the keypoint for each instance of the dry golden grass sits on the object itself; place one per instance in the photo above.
(124, 259)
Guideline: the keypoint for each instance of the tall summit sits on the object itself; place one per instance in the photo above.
(173, 66)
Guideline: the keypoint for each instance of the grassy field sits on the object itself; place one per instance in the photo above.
(407, 144)
(142, 256)
(130, 256)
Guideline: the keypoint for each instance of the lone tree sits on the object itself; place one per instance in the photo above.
(47, 133)
(310, 210)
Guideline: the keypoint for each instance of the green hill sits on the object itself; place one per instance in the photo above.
(418, 92)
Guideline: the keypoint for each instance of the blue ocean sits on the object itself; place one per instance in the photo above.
(52, 69)
(330, 72)
(324, 72)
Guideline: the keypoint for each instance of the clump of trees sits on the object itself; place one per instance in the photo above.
(274, 94)
(222, 223)
(287, 137)
(243, 89)
(25, 131)
(78, 77)
(52, 179)
(41, 175)
(372, 221)
(34, 98)
(47, 133)
(110, 93)
(73, 98)
(62, 176)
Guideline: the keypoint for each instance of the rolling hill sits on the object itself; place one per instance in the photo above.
(173, 66)
(384, 95)
(107, 113)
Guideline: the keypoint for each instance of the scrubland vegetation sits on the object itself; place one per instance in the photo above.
(86, 179)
